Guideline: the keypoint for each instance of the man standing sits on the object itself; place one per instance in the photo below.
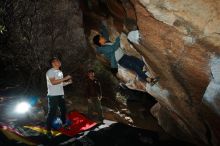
(55, 95)
(94, 95)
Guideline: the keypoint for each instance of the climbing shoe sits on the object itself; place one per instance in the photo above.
(154, 81)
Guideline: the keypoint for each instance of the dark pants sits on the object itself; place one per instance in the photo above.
(55, 102)
(114, 71)
(95, 106)
(135, 64)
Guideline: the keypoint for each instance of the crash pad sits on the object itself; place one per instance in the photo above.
(79, 123)
(13, 134)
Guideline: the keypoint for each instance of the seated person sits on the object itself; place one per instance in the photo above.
(115, 56)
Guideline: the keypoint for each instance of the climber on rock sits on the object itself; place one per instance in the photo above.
(115, 55)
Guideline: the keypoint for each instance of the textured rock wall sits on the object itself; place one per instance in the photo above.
(179, 40)
(184, 36)
(37, 30)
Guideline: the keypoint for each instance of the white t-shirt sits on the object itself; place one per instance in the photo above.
(54, 90)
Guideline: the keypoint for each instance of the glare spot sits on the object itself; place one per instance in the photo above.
(22, 107)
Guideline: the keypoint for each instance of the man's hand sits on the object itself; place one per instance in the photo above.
(70, 81)
(58, 81)
(104, 22)
(100, 98)
(89, 101)
(125, 30)
(67, 77)
(67, 82)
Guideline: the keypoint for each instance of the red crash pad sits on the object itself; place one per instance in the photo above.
(79, 123)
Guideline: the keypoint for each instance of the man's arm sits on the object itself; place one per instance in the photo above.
(104, 32)
(116, 44)
(58, 81)
(67, 82)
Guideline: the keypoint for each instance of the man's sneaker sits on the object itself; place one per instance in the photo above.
(100, 120)
(154, 81)
(67, 125)
(49, 135)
